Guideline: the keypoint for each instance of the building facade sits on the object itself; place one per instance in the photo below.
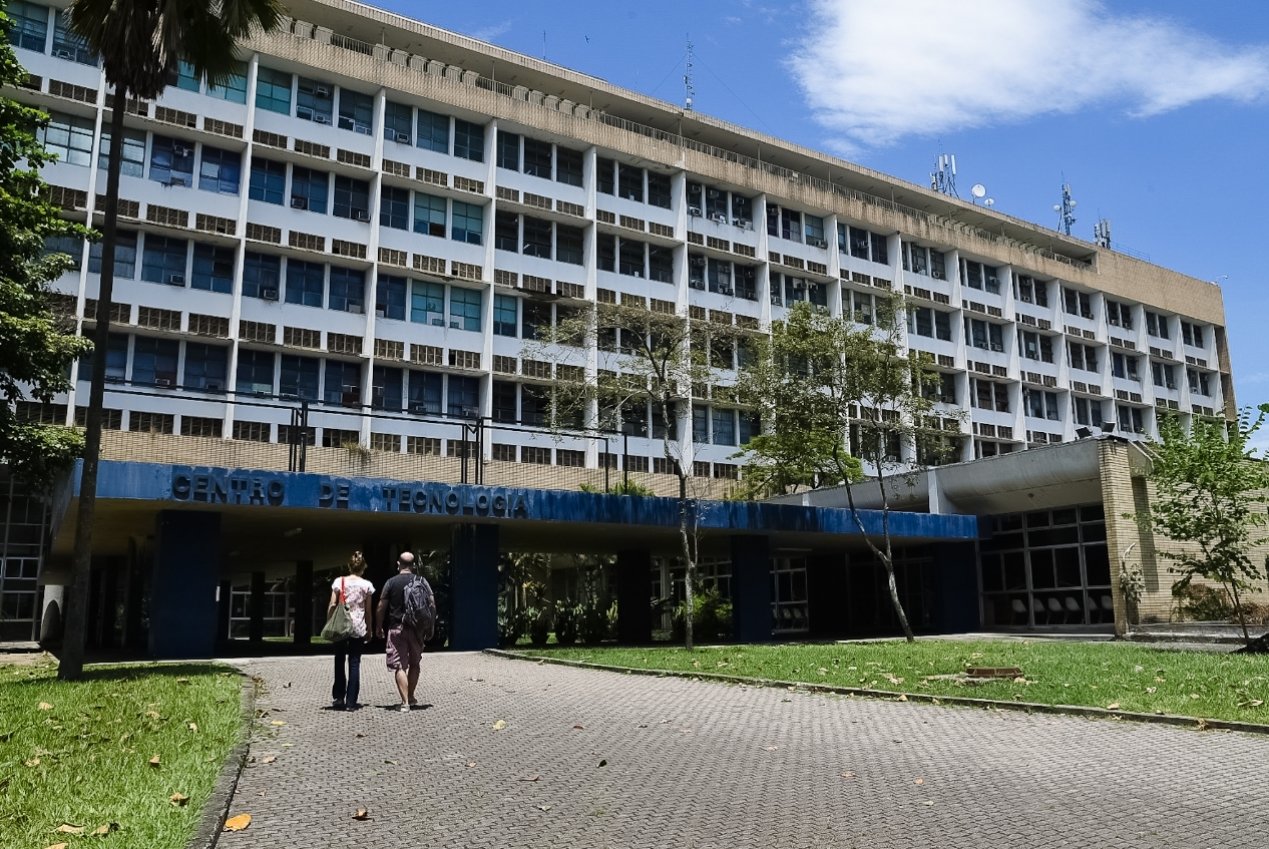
(345, 248)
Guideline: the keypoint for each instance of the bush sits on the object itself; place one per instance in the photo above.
(566, 622)
(596, 622)
(511, 625)
(1203, 603)
(712, 618)
(539, 625)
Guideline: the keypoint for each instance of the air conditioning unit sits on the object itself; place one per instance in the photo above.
(403, 138)
(456, 325)
(696, 282)
(269, 294)
(694, 211)
(713, 193)
(322, 92)
(818, 243)
(418, 407)
(63, 54)
(320, 118)
(380, 312)
(937, 275)
(176, 280)
(298, 202)
(163, 382)
(438, 322)
(996, 346)
(361, 214)
(213, 386)
(182, 150)
(355, 309)
(696, 259)
(718, 218)
(725, 290)
(742, 223)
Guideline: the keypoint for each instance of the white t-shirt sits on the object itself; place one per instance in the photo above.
(357, 592)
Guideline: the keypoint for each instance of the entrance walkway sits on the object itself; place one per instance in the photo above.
(596, 759)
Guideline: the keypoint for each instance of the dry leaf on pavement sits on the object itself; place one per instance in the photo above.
(238, 823)
(531, 778)
(499, 725)
(268, 759)
(361, 814)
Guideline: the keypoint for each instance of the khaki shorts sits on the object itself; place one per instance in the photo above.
(405, 650)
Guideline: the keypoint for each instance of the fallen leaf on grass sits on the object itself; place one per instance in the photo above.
(1202, 725)
(499, 725)
(154, 761)
(32, 762)
(182, 680)
(193, 726)
(67, 828)
(238, 823)
(361, 814)
(45, 706)
(903, 697)
(57, 846)
(152, 714)
(277, 723)
(180, 800)
(531, 778)
(1113, 706)
(105, 828)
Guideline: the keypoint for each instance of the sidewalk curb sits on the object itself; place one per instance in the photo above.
(212, 822)
(1193, 722)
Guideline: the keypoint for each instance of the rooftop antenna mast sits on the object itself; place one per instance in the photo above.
(689, 87)
(1101, 233)
(943, 177)
(1065, 209)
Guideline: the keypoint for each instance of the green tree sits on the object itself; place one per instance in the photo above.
(833, 394)
(1210, 493)
(141, 45)
(36, 346)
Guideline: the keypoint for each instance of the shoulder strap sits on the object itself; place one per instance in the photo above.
(343, 599)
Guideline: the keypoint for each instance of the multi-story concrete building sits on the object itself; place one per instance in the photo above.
(373, 216)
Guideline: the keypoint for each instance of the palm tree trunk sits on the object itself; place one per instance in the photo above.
(72, 659)
(689, 560)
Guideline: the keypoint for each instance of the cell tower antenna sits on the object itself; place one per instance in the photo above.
(943, 177)
(1065, 209)
(689, 85)
(1101, 233)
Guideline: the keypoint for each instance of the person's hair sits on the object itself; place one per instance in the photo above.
(356, 563)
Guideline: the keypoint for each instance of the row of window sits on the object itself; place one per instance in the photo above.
(716, 204)
(30, 31)
(795, 226)
(539, 158)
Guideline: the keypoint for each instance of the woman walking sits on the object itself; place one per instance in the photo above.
(356, 592)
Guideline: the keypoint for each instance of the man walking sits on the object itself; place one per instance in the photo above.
(404, 645)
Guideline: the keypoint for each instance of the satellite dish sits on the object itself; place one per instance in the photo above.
(989, 202)
(978, 190)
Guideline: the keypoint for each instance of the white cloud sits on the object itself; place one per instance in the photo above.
(873, 72)
(492, 31)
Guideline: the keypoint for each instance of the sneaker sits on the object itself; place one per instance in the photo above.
(404, 708)
(337, 704)
(413, 702)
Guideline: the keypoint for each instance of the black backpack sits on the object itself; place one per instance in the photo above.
(420, 608)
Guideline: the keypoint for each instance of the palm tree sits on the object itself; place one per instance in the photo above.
(141, 43)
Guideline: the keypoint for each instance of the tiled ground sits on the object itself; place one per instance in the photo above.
(596, 759)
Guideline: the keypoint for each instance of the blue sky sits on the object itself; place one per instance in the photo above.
(1156, 113)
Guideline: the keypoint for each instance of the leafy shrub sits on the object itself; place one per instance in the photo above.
(511, 625)
(1203, 603)
(594, 624)
(539, 625)
(566, 623)
(711, 620)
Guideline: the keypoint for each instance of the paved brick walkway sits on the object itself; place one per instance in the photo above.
(695, 764)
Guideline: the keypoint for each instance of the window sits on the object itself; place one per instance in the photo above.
(30, 25)
(213, 268)
(750, 426)
(630, 258)
(255, 372)
(429, 215)
(538, 158)
(1118, 315)
(352, 198)
(305, 282)
(154, 361)
(700, 424)
(984, 334)
(1082, 356)
(390, 297)
(394, 208)
(659, 190)
(976, 275)
(464, 396)
(568, 244)
(660, 263)
(863, 306)
(630, 182)
(815, 231)
(300, 377)
(1077, 303)
(924, 321)
(724, 422)
(116, 360)
(942, 390)
(386, 384)
(398, 122)
(172, 161)
(427, 303)
(1157, 325)
(1036, 346)
(533, 315)
(433, 133)
(183, 76)
(469, 140)
(273, 90)
(508, 150)
(568, 166)
(1198, 381)
(605, 174)
(537, 237)
(314, 101)
(268, 181)
(718, 276)
(68, 45)
(347, 290)
(133, 162)
(309, 189)
(791, 224)
(206, 367)
(987, 395)
(880, 253)
(1124, 365)
(425, 392)
(125, 255)
(163, 260)
(854, 240)
(469, 223)
(233, 88)
(1031, 291)
(1192, 334)
(1087, 411)
(356, 111)
(1131, 419)
(1041, 405)
(464, 309)
(506, 317)
(1164, 375)
(343, 383)
(505, 397)
(606, 245)
(220, 171)
(261, 274)
(69, 137)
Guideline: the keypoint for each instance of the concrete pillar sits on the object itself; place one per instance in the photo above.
(751, 588)
(826, 590)
(954, 583)
(634, 609)
(474, 587)
(303, 600)
(183, 584)
(255, 610)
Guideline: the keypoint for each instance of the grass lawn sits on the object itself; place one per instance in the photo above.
(1119, 676)
(80, 754)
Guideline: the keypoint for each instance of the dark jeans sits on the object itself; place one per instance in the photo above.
(347, 687)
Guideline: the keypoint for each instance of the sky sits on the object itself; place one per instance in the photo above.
(1156, 112)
